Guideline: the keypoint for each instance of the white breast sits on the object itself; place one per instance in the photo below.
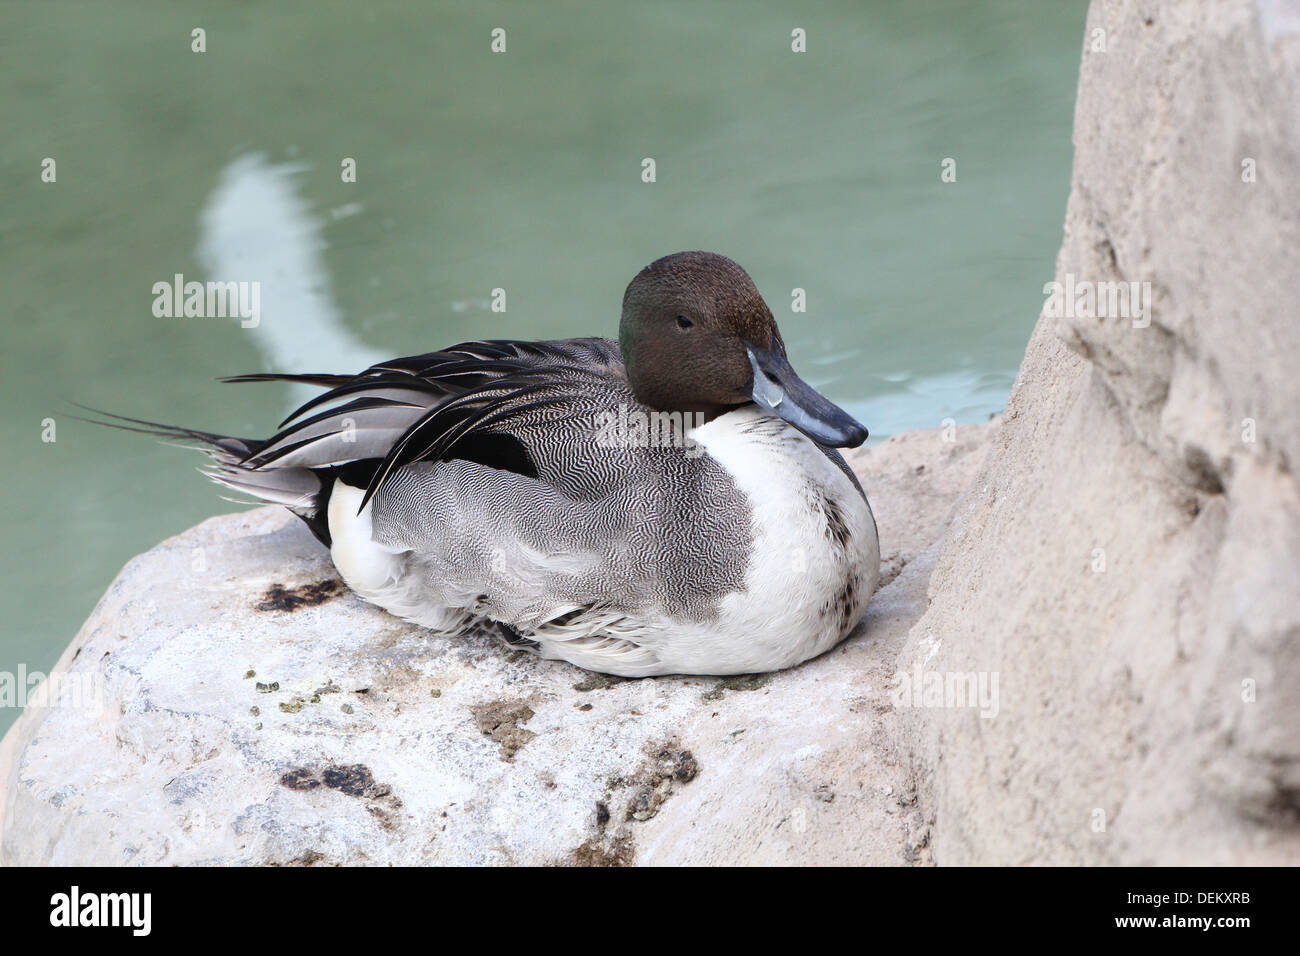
(815, 560)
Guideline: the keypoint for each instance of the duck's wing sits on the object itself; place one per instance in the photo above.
(519, 406)
(539, 410)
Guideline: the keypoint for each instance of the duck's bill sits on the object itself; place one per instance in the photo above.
(778, 389)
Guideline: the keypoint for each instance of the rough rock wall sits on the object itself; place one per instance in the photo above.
(1128, 562)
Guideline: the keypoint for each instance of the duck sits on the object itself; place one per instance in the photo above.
(672, 502)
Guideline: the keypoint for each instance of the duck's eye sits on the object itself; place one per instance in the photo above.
(683, 322)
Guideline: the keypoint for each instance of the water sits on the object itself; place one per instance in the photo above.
(478, 171)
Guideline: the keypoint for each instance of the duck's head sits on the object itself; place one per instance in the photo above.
(697, 337)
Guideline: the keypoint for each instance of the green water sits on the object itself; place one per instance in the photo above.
(477, 171)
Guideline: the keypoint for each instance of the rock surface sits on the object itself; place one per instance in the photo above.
(1128, 561)
(251, 710)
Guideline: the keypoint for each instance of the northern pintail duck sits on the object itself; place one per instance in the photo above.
(670, 503)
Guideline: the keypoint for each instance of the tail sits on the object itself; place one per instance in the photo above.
(302, 489)
(298, 466)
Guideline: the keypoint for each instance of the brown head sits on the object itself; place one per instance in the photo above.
(696, 336)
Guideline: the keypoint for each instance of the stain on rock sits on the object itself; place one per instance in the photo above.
(681, 765)
(647, 799)
(647, 788)
(740, 682)
(306, 858)
(617, 852)
(597, 682)
(353, 780)
(300, 779)
(667, 766)
(280, 598)
(500, 720)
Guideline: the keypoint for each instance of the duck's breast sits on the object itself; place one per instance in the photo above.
(815, 557)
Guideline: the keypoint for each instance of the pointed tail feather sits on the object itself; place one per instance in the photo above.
(294, 487)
